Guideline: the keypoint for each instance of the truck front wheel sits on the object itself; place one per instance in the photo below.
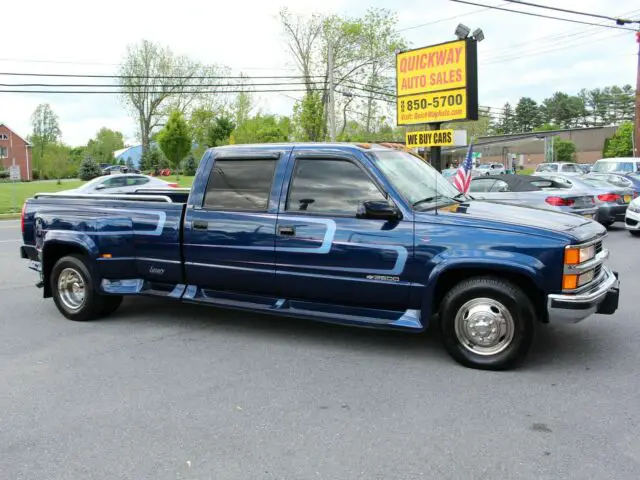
(74, 292)
(487, 323)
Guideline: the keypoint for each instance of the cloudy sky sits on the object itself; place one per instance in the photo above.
(520, 56)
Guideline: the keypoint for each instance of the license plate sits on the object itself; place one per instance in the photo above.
(33, 265)
(627, 198)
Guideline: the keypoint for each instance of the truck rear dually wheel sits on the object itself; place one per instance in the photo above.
(74, 292)
(487, 323)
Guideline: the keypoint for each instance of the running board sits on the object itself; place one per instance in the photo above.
(341, 314)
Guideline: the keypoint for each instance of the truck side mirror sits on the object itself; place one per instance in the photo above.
(378, 210)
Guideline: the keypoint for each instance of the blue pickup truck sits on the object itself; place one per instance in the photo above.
(360, 235)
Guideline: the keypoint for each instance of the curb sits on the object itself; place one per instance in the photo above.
(9, 216)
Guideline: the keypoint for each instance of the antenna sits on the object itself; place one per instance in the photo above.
(436, 178)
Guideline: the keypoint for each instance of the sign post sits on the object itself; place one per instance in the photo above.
(14, 176)
(436, 84)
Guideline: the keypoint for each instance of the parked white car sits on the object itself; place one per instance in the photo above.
(632, 217)
(559, 167)
(619, 165)
(489, 169)
(124, 183)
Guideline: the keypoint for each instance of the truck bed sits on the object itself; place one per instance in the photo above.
(129, 235)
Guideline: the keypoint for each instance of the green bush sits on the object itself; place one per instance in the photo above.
(190, 165)
(89, 169)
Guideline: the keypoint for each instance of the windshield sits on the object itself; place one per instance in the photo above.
(419, 183)
(603, 167)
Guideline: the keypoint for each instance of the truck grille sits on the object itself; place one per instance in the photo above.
(598, 247)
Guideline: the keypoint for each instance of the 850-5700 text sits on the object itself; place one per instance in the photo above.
(437, 102)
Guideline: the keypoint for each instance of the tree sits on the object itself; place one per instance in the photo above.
(89, 169)
(309, 119)
(527, 115)
(155, 81)
(564, 150)
(562, 109)
(243, 103)
(263, 129)
(220, 131)
(106, 142)
(190, 165)
(506, 123)
(174, 139)
(621, 143)
(363, 57)
(45, 131)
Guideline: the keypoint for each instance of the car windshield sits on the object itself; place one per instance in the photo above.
(604, 167)
(419, 183)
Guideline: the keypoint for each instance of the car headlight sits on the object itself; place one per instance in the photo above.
(572, 281)
(634, 207)
(576, 256)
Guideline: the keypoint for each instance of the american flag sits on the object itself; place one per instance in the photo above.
(462, 180)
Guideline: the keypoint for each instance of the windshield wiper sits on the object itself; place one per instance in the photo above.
(427, 200)
(458, 195)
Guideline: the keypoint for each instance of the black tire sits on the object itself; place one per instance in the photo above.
(92, 305)
(608, 223)
(512, 344)
(635, 233)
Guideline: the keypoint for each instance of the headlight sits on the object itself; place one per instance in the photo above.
(576, 256)
(634, 207)
(571, 282)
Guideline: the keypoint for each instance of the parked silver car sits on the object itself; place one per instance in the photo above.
(537, 192)
(612, 200)
(123, 183)
(563, 168)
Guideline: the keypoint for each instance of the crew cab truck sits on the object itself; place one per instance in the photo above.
(359, 235)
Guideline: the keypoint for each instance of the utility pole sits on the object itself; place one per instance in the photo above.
(332, 106)
(636, 144)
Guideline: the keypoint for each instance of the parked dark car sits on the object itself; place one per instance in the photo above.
(624, 180)
(612, 200)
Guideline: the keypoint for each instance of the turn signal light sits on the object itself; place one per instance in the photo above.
(569, 282)
(572, 256)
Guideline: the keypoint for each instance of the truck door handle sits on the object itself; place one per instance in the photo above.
(286, 230)
(200, 225)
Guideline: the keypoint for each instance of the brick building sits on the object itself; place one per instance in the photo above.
(15, 150)
(530, 146)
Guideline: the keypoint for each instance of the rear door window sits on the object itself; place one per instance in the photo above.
(243, 185)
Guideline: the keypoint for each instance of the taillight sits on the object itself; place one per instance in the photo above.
(24, 209)
(609, 197)
(173, 185)
(560, 202)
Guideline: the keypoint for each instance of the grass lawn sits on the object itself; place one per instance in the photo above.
(183, 182)
(12, 196)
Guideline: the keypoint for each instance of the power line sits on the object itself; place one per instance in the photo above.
(115, 85)
(169, 77)
(444, 19)
(543, 16)
(619, 21)
(116, 92)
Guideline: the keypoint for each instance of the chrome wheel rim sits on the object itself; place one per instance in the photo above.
(484, 326)
(71, 288)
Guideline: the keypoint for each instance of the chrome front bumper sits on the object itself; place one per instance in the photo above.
(601, 298)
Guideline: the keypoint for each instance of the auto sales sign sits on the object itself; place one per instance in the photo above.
(438, 83)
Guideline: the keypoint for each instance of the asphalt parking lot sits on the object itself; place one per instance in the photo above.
(168, 391)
